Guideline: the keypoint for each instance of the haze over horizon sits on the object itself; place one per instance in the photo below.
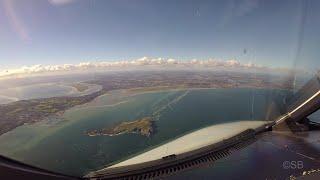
(146, 63)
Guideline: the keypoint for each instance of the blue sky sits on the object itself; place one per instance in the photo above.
(73, 31)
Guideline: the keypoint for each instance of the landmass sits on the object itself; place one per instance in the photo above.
(80, 87)
(192, 79)
(144, 126)
(31, 111)
(17, 113)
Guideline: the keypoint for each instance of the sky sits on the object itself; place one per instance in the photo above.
(49, 32)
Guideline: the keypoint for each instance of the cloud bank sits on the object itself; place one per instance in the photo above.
(144, 62)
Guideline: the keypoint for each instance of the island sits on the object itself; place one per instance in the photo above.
(144, 126)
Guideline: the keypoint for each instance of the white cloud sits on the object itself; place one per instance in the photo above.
(232, 62)
(144, 61)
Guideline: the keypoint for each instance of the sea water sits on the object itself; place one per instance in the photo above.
(62, 145)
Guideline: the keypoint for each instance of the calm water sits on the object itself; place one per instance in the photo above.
(61, 144)
(42, 90)
(36, 91)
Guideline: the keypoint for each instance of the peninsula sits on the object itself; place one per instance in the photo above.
(80, 87)
(34, 110)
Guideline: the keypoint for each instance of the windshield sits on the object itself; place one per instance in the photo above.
(92, 85)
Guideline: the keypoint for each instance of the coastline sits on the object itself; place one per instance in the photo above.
(126, 93)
